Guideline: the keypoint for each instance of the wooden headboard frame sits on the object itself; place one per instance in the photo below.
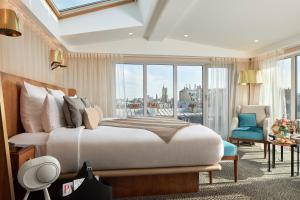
(11, 89)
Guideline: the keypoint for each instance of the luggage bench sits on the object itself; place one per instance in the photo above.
(230, 153)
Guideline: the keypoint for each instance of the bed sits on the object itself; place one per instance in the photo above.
(136, 162)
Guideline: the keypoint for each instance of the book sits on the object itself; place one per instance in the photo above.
(67, 188)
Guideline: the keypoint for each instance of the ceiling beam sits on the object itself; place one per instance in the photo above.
(164, 18)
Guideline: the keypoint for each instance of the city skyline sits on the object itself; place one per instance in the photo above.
(158, 76)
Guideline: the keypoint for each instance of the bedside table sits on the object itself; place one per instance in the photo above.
(20, 155)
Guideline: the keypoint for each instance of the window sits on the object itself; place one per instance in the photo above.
(190, 94)
(193, 93)
(285, 78)
(160, 90)
(129, 90)
(68, 8)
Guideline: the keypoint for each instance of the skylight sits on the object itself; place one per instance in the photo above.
(69, 8)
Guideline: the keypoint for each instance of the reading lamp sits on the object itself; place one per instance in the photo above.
(248, 77)
(9, 21)
(57, 59)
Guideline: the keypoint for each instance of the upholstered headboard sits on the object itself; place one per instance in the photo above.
(11, 89)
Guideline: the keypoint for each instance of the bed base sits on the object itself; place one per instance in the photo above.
(152, 181)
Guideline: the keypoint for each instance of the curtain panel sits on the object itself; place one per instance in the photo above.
(222, 94)
(93, 75)
(271, 91)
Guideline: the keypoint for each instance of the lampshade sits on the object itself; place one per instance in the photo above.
(9, 23)
(250, 77)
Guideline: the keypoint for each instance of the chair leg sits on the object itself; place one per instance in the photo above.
(26, 195)
(238, 143)
(235, 166)
(210, 177)
(265, 149)
(46, 194)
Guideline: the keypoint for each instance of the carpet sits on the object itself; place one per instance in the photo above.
(254, 180)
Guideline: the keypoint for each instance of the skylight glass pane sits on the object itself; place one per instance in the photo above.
(63, 5)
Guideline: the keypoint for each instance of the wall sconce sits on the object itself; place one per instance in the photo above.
(9, 23)
(57, 59)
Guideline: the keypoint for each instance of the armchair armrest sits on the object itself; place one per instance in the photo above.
(267, 127)
(234, 124)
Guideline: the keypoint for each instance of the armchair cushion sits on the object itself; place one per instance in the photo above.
(248, 133)
(247, 120)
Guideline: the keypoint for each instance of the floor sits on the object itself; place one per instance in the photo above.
(254, 180)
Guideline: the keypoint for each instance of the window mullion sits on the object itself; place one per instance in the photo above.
(175, 91)
(145, 89)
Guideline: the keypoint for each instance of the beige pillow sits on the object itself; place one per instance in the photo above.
(100, 113)
(91, 118)
(52, 116)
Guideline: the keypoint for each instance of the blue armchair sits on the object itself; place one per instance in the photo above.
(251, 124)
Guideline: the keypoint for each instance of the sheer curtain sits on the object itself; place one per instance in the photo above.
(93, 75)
(271, 92)
(221, 98)
(121, 98)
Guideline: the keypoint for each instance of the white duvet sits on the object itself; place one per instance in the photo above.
(122, 148)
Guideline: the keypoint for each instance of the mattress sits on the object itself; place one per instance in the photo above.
(126, 148)
(37, 139)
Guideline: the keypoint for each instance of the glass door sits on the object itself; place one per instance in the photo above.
(190, 93)
(160, 101)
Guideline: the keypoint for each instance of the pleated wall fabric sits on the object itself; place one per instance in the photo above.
(28, 55)
(93, 76)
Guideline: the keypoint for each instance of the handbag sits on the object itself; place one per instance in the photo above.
(90, 188)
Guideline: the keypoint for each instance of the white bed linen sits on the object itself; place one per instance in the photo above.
(38, 139)
(122, 148)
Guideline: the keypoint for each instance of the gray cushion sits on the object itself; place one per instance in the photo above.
(86, 102)
(73, 109)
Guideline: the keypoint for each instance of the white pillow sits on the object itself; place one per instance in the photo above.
(31, 103)
(52, 115)
(56, 93)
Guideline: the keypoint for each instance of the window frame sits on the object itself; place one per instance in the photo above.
(84, 9)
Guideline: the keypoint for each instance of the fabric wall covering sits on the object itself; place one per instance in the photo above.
(28, 55)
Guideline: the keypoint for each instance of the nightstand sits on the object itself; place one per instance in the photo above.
(20, 155)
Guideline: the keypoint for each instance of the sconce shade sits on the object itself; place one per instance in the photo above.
(250, 77)
(9, 23)
(57, 59)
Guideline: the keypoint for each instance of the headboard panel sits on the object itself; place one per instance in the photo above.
(11, 88)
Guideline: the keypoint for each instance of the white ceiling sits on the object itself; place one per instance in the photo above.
(217, 26)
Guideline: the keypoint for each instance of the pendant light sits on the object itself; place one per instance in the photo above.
(9, 21)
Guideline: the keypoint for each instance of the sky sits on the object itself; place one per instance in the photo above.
(157, 77)
(65, 4)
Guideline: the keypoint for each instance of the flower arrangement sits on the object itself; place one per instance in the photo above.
(283, 127)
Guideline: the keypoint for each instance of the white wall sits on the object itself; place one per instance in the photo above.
(165, 47)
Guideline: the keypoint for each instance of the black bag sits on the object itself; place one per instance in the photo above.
(90, 188)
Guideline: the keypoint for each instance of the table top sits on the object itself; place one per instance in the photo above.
(17, 150)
